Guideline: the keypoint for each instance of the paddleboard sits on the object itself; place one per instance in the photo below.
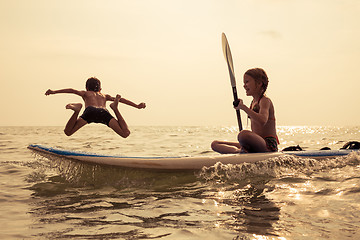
(181, 163)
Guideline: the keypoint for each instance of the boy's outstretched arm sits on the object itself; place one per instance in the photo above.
(66, 90)
(130, 103)
(127, 102)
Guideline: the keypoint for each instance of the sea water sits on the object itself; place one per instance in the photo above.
(281, 198)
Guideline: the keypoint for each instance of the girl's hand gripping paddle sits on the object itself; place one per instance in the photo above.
(228, 58)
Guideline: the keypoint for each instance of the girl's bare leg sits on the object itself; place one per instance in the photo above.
(74, 122)
(252, 142)
(119, 125)
(226, 147)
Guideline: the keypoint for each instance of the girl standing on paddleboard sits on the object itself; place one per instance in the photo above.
(262, 137)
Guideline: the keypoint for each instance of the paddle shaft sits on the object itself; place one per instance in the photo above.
(234, 90)
(237, 110)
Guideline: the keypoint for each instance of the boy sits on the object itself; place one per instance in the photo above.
(95, 109)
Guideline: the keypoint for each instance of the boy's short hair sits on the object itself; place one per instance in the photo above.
(93, 84)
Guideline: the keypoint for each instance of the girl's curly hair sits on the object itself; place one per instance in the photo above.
(259, 75)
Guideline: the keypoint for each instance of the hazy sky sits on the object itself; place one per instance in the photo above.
(168, 54)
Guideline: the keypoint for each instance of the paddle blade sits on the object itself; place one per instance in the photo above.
(228, 58)
(229, 61)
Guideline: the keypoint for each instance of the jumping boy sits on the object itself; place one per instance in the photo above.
(95, 109)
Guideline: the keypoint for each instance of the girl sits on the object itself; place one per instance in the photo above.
(262, 137)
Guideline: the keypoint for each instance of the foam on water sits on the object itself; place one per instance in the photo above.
(276, 167)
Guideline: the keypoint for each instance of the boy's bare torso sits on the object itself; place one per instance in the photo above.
(95, 99)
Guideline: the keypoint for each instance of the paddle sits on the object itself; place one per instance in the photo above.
(228, 58)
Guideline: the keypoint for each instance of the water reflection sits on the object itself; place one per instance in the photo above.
(255, 213)
(90, 201)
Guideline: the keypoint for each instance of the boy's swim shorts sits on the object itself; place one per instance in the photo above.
(96, 115)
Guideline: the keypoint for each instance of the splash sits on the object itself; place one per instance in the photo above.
(275, 167)
(79, 174)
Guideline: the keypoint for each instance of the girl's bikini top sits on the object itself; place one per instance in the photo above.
(256, 107)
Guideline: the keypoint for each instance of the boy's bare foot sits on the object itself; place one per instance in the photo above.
(74, 106)
(114, 105)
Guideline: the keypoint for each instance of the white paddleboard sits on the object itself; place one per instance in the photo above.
(182, 163)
